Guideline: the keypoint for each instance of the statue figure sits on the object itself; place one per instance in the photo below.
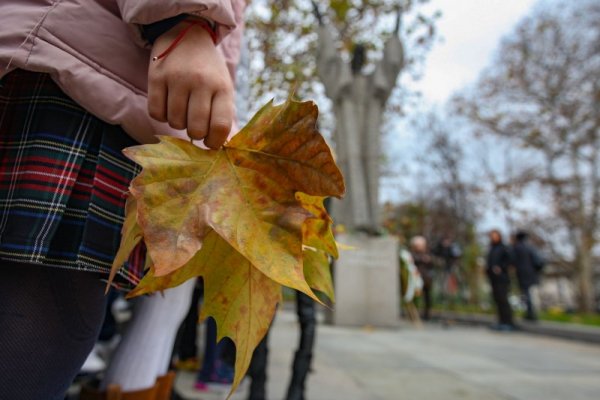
(358, 102)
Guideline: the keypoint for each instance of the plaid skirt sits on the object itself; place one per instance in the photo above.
(63, 181)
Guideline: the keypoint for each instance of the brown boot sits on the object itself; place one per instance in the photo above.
(113, 392)
(165, 386)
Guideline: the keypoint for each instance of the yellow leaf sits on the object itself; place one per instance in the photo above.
(317, 271)
(131, 234)
(151, 283)
(245, 192)
(317, 231)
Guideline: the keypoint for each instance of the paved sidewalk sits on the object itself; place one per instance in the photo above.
(433, 363)
(578, 332)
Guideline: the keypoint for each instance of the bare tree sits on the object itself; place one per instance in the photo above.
(442, 159)
(543, 92)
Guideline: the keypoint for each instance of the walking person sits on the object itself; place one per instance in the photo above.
(528, 265)
(80, 81)
(425, 264)
(448, 252)
(497, 269)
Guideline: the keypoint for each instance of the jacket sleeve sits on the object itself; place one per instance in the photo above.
(222, 12)
(230, 47)
(152, 31)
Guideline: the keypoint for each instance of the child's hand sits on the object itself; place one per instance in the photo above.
(190, 88)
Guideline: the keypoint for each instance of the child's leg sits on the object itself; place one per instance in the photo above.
(188, 332)
(146, 347)
(49, 321)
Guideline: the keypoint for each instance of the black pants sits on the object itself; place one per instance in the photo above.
(49, 321)
(500, 293)
(427, 302)
(305, 308)
(530, 314)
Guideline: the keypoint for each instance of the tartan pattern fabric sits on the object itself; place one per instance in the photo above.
(63, 181)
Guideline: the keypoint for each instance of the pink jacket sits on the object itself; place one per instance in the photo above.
(94, 52)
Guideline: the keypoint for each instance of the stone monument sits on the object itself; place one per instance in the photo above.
(367, 284)
(367, 277)
(358, 103)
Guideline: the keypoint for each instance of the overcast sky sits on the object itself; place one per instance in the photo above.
(470, 31)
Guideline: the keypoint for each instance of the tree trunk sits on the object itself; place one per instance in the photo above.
(586, 280)
(474, 283)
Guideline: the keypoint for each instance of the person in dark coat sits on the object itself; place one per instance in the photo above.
(528, 265)
(498, 263)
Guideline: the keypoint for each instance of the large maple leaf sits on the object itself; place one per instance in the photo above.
(239, 217)
(245, 192)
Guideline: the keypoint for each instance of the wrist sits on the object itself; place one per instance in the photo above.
(192, 29)
(151, 32)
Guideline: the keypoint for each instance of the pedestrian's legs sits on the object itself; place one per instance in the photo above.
(506, 309)
(500, 292)
(496, 295)
(305, 307)
(218, 360)
(258, 370)
(427, 302)
(530, 314)
(210, 351)
(49, 321)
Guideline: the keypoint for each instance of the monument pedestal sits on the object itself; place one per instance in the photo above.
(366, 280)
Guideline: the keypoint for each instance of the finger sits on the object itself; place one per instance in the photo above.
(221, 118)
(177, 106)
(198, 114)
(157, 100)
